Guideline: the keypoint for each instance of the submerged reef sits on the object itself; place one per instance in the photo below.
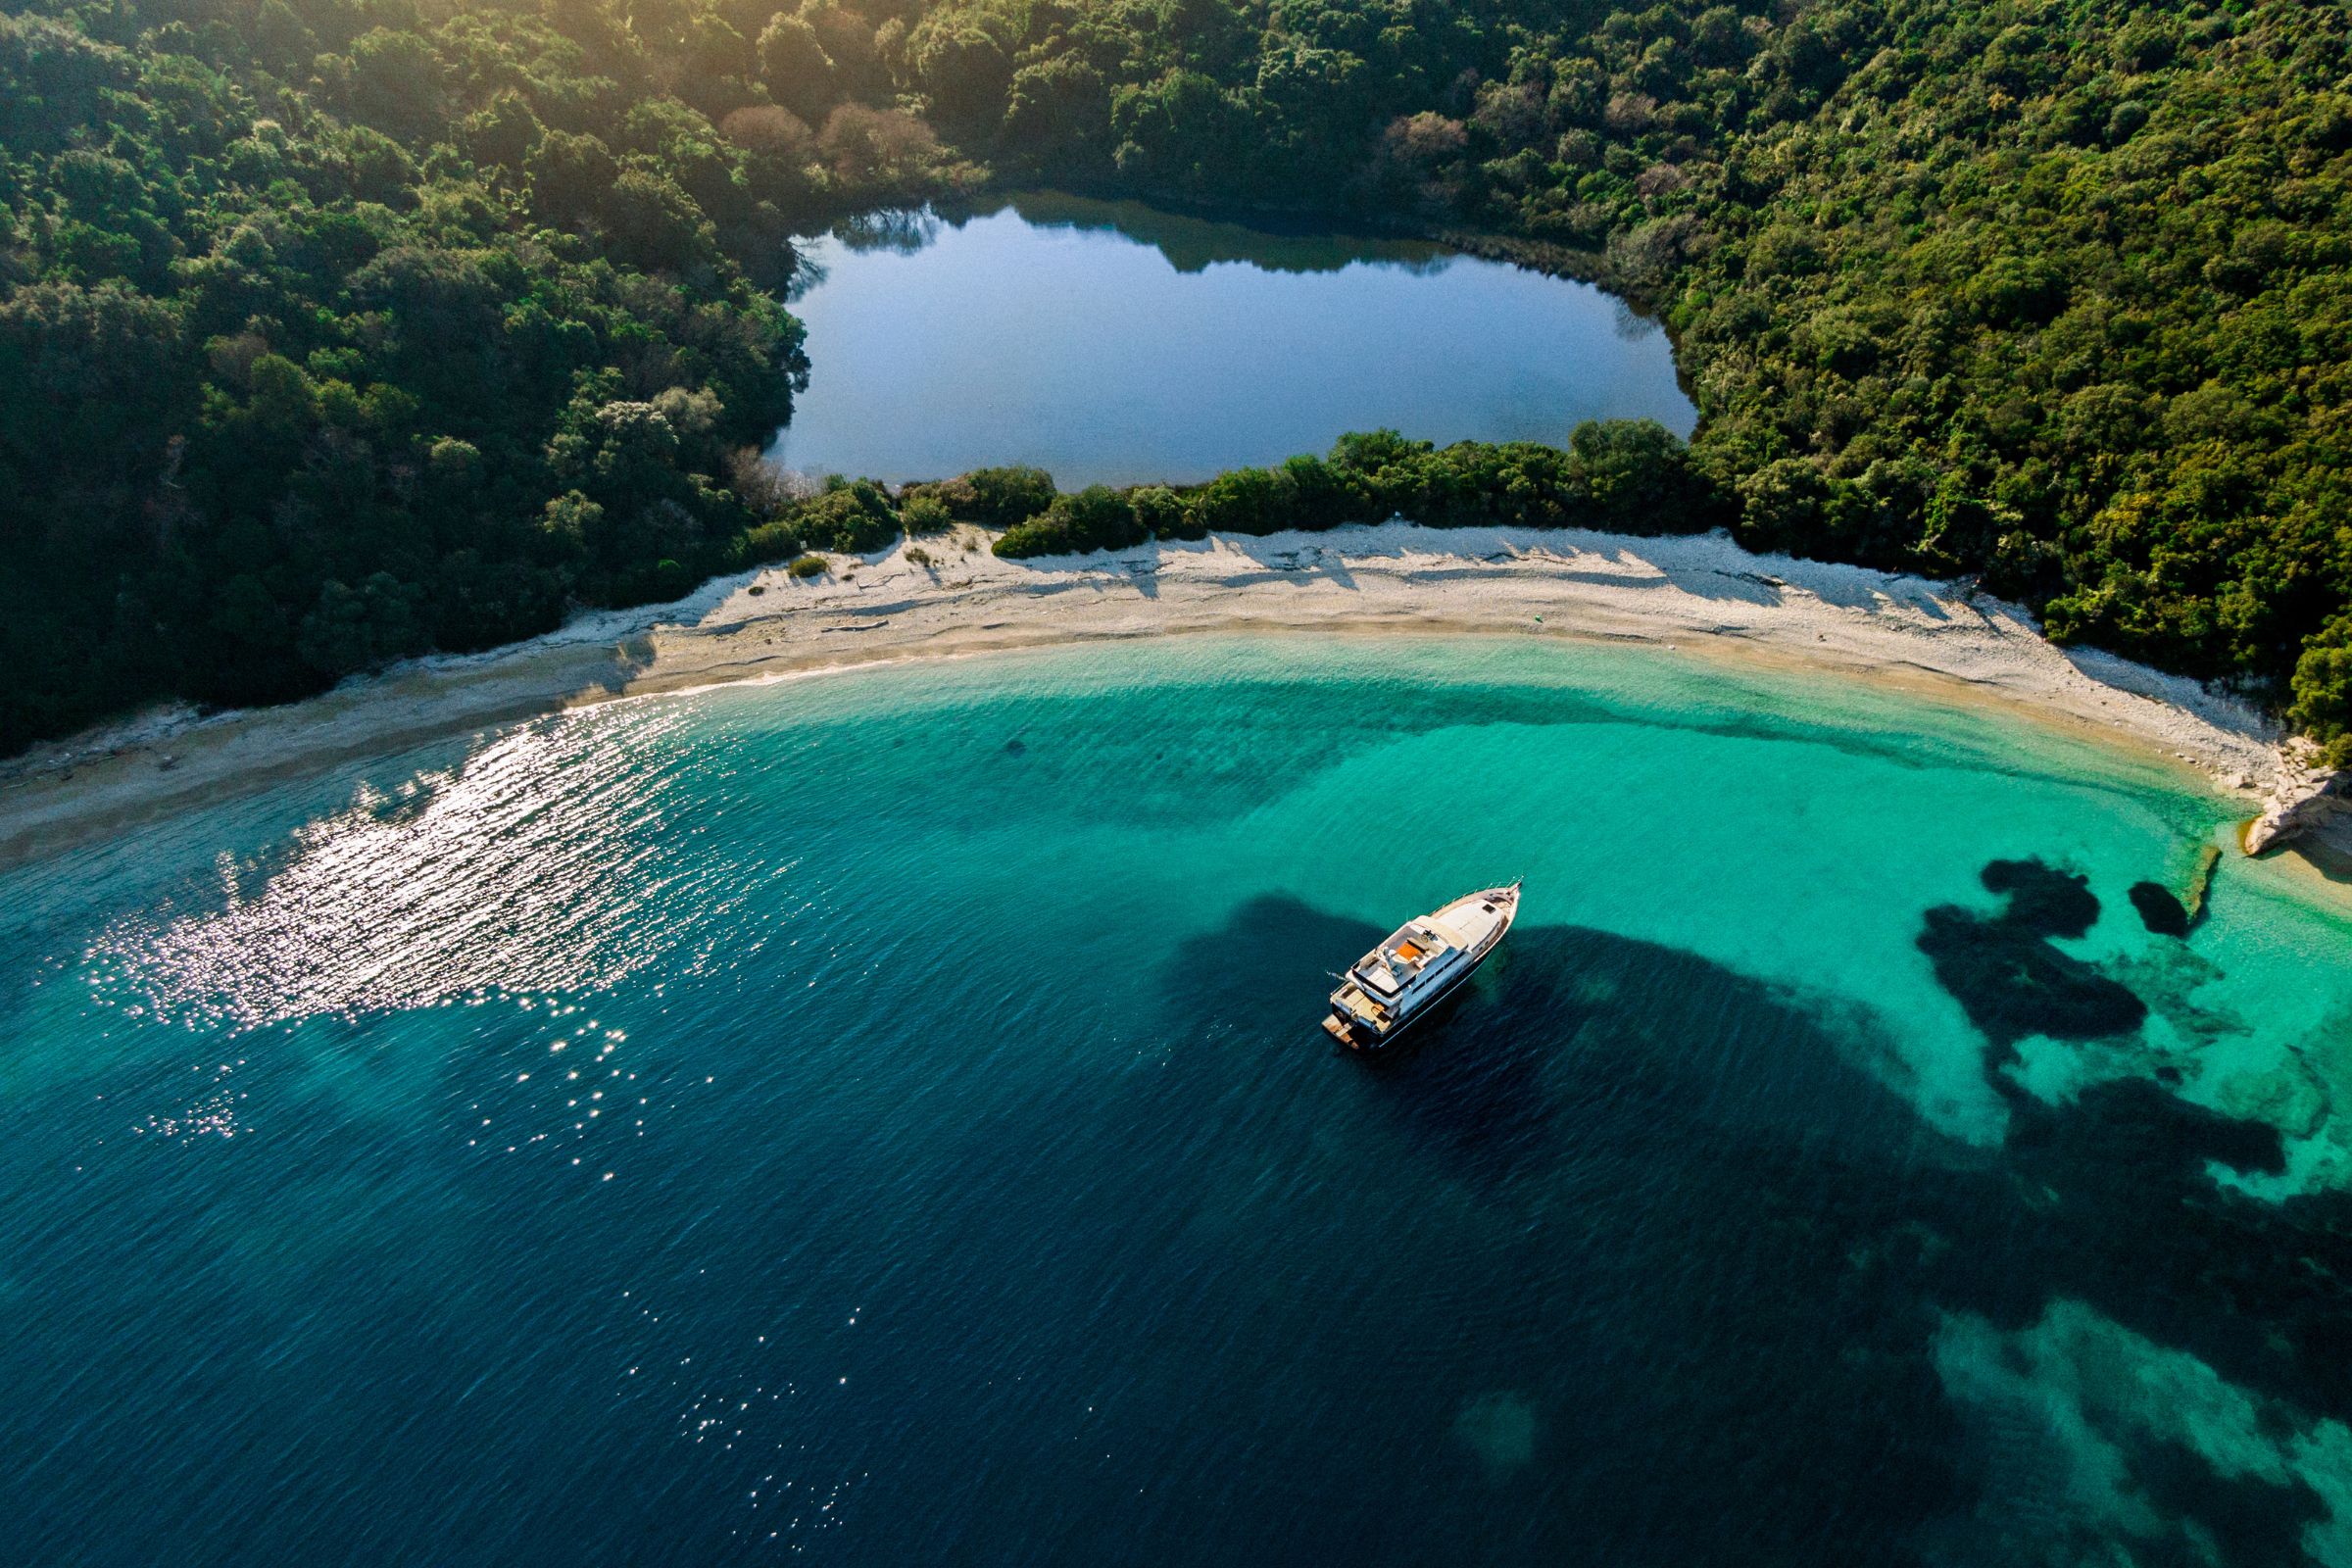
(2004, 971)
(2160, 911)
(1688, 1136)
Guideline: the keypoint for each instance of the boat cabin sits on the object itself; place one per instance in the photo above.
(1420, 960)
(1418, 954)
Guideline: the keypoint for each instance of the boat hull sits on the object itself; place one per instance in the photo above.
(1367, 1041)
(1363, 1041)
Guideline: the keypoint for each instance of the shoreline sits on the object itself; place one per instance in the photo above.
(1696, 593)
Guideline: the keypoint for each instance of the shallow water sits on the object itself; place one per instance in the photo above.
(881, 1118)
(1107, 342)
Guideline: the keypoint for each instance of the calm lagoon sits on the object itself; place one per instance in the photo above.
(881, 1119)
(1108, 342)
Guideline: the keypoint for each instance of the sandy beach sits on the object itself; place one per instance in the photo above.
(1702, 594)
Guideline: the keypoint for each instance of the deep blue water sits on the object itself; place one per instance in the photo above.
(1107, 342)
(881, 1119)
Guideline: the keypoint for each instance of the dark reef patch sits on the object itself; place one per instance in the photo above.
(2160, 911)
(2042, 900)
(2249, 1522)
(1731, 1247)
(2004, 972)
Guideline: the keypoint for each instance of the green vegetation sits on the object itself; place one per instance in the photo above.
(1622, 477)
(993, 498)
(332, 330)
(924, 513)
(847, 516)
(2323, 689)
(806, 566)
(2058, 294)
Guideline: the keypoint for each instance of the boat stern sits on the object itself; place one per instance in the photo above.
(1355, 1020)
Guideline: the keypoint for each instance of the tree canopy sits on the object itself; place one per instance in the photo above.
(336, 328)
(334, 332)
(2060, 294)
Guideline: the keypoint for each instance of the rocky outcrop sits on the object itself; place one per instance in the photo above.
(2308, 798)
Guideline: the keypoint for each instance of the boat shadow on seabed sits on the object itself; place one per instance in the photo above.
(1654, 1030)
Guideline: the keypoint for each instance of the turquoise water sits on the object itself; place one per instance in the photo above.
(1107, 342)
(881, 1118)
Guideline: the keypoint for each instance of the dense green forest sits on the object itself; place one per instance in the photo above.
(332, 330)
(2056, 293)
(1618, 476)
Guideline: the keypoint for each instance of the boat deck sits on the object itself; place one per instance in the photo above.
(1421, 959)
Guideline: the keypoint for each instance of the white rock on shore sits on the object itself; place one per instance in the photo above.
(2306, 798)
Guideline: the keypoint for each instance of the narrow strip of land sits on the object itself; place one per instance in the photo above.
(1702, 594)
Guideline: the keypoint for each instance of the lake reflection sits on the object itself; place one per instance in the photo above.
(1107, 341)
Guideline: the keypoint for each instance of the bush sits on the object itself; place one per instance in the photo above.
(352, 629)
(997, 498)
(770, 542)
(1163, 513)
(1097, 517)
(1245, 501)
(806, 566)
(852, 518)
(1619, 476)
(923, 513)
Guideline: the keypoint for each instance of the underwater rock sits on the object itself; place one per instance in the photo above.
(2159, 910)
(2042, 900)
(2006, 975)
(2168, 978)
(2093, 1432)
(2200, 882)
(2288, 1097)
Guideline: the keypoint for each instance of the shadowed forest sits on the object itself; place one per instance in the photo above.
(333, 331)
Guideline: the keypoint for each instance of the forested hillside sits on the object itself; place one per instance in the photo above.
(333, 328)
(336, 332)
(2057, 293)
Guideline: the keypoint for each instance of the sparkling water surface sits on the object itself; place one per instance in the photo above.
(1107, 342)
(881, 1118)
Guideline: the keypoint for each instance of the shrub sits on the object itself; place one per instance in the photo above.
(1163, 513)
(922, 511)
(1097, 517)
(1621, 475)
(768, 129)
(770, 542)
(997, 498)
(1246, 500)
(1368, 452)
(357, 628)
(806, 566)
(850, 517)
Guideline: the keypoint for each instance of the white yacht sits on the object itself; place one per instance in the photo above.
(1403, 979)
